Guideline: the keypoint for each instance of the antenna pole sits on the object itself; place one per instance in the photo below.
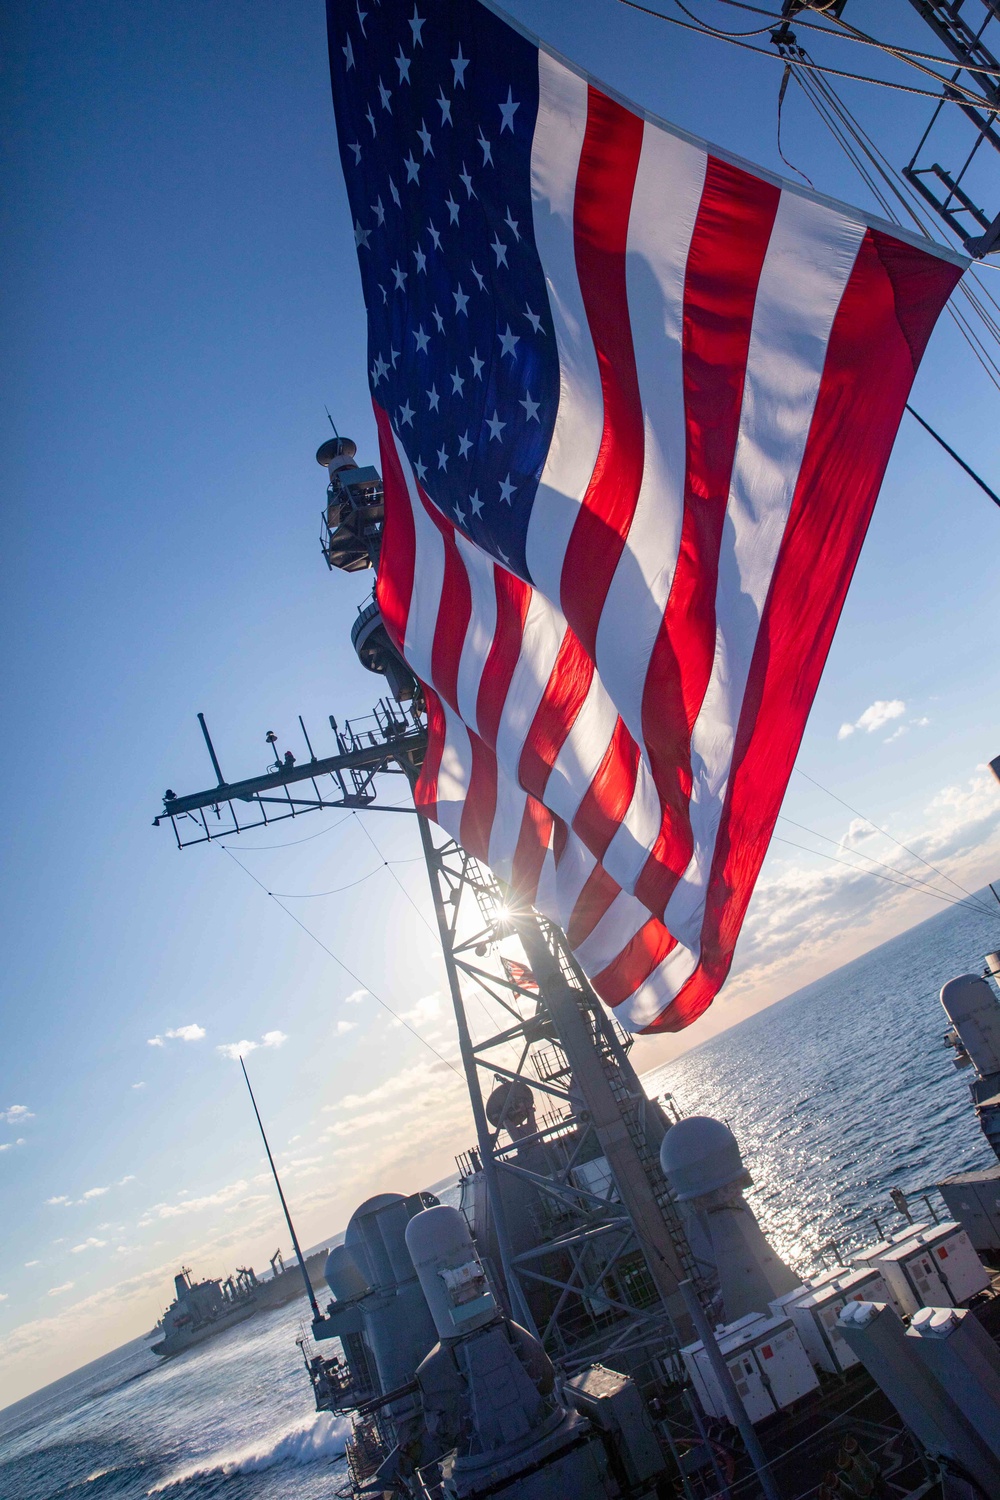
(211, 749)
(950, 450)
(317, 1315)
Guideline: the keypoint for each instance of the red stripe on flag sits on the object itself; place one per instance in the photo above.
(480, 800)
(567, 687)
(425, 791)
(394, 586)
(878, 337)
(634, 964)
(609, 161)
(731, 234)
(599, 890)
(513, 597)
(532, 845)
(454, 611)
(607, 798)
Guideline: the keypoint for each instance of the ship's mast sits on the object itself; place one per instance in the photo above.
(602, 1277)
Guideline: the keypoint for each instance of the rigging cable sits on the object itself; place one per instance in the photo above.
(847, 33)
(958, 94)
(786, 75)
(266, 848)
(346, 967)
(888, 835)
(433, 932)
(827, 103)
(820, 854)
(922, 887)
(312, 895)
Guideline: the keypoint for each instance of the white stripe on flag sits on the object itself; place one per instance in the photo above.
(428, 578)
(481, 628)
(665, 202)
(454, 773)
(576, 438)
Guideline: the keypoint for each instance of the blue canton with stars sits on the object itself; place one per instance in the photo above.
(436, 106)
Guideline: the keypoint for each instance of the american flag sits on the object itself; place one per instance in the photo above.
(635, 400)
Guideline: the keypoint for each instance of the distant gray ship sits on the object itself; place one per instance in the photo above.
(202, 1309)
(285, 1282)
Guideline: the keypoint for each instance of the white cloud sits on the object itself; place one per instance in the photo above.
(356, 997)
(875, 717)
(57, 1291)
(15, 1113)
(97, 1192)
(129, 1177)
(92, 1243)
(428, 1008)
(139, 1085)
(235, 1050)
(858, 829)
(62, 1199)
(3, 1296)
(353, 1125)
(343, 1027)
(419, 1080)
(897, 733)
(219, 1198)
(191, 1033)
(29, 1263)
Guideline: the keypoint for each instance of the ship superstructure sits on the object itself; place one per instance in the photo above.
(607, 1237)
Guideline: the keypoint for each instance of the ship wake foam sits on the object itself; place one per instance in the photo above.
(320, 1437)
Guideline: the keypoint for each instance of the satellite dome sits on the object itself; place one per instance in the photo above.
(343, 1275)
(511, 1104)
(698, 1155)
(334, 448)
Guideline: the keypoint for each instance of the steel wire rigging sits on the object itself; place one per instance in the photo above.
(896, 198)
(956, 93)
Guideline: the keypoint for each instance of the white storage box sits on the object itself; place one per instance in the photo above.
(767, 1361)
(815, 1317)
(874, 1253)
(779, 1307)
(912, 1278)
(959, 1268)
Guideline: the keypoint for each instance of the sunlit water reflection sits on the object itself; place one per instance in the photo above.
(846, 1090)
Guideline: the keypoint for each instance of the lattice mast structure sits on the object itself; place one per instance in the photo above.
(591, 1247)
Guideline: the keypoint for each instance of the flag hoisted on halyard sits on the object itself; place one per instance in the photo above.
(635, 401)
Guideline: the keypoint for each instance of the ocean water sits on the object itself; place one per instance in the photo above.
(846, 1090)
(837, 1094)
(231, 1418)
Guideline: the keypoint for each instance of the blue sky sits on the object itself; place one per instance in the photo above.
(181, 300)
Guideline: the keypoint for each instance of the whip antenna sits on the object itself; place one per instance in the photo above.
(288, 1218)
